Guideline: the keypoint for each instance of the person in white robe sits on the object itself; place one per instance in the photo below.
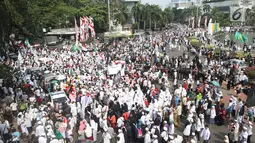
(121, 137)
(164, 134)
(106, 137)
(147, 136)
(40, 131)
(94, 126)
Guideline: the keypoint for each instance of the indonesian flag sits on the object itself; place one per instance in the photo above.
(82, 29)
(86, 27)
(100, 55)
(205, 21)
(91, 27)
(199, 20)
(36, 45)
(76, 32)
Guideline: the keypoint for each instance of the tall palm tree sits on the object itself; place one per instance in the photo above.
(120, 12)
(136, 11)
(143, 15)
(167, 15)
(207, 8)
(155, 15)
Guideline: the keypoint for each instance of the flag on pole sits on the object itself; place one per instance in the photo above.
(199, 20)
(86, 27)
(76, 32)
(27, 42)
(82, 27)
(91, 27)
(205, 21)
(240, 37)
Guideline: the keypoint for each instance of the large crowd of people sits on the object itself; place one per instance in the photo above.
(132, 91)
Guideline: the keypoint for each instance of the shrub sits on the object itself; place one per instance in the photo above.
(250, 72)
(210, 46)
(196, 43)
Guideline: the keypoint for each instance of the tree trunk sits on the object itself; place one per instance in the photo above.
(144, 25)
(155, 25)
(138, 24)
(150, 22)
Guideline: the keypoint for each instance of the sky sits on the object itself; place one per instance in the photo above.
(161, 3)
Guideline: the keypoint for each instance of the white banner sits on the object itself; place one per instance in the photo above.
(237, 13)
(114, 69)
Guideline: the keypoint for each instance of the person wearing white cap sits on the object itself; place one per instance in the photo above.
(243, 136)
(106, 136)
(40, 131)
(212, 115)
(147, 136)
(164, 135)
(206, 134)
(121, 137)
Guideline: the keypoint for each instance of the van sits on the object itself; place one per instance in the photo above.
(45, 82)
(58, 97)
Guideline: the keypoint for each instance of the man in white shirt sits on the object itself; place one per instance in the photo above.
(14, 107)
(205, 134)
(179, 113)
(40, 131)
(107, 137)
(244, 136)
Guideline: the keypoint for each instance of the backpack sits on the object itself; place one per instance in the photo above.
(139, 133)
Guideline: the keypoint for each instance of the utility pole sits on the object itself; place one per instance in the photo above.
(109, 16)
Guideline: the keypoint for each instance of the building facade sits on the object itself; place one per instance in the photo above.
(181, 4)
(224, 5)
(130, 4)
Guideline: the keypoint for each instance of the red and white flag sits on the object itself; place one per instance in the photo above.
(199, 20)
(91, 27)
(76, 32)
(205, 21)
(86, 27)
(82, 29)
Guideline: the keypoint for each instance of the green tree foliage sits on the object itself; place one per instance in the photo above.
(220, 17)
(250, 16)
(120, 12)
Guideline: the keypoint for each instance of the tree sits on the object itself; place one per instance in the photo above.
(120, 12)
(168, 16)
(206, 8)
(250, 16)
(136, 11)
(155, 15)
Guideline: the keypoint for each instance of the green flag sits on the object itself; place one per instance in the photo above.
(240, 37)
(27, 43)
